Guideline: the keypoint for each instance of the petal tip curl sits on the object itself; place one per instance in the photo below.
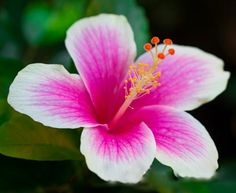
(49, 94)
(216, 78)
(189, 79)
(110, 21)
(123, 157)
(194, 154)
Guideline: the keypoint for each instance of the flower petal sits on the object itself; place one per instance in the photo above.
(102, 47)
(119, 156)
(52, 96)
(189, 78)
(182, 142)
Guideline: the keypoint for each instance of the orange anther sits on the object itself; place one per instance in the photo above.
(171, 51)
(155, 40)
(147, 46)
(161, 56)
(147, 91)
(167, 41)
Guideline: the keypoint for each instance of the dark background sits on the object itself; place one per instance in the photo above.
(25, 38)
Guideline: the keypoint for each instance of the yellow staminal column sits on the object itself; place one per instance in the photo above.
(143, 78)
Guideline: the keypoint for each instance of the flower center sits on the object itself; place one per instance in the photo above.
(144, 78)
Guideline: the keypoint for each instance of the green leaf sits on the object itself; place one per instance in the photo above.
(8, 71)
(5, 111)
(22, 137)
(223, 181)
(161, 179)
(44, 24)
(134, 13)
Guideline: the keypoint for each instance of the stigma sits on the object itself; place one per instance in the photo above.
(143, 78)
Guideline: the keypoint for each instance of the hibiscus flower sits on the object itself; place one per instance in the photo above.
(131, 111)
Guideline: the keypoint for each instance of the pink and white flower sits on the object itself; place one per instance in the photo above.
(132, 112)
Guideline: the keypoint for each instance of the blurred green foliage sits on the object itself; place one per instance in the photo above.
(8, 70)
(45, 24)
(34, 31)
